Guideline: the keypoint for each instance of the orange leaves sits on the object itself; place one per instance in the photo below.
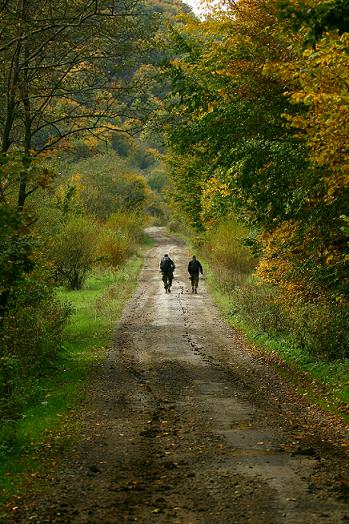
(275, 265)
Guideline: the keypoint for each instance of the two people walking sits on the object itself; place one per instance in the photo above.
(167, 268)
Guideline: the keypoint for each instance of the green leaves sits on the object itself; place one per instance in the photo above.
(258, 129)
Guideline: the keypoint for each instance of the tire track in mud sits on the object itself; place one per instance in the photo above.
(183, 425)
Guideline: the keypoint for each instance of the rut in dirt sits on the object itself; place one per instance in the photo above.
(184, 425)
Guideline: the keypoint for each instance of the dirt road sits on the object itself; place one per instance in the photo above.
(185, 425)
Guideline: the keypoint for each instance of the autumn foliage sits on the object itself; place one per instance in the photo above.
(259, 126)
(73, 192)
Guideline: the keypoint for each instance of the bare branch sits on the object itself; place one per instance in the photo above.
(68, 23)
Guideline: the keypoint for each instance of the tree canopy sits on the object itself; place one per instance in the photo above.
(258, 127)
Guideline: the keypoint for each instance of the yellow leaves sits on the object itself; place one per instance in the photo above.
(214, 184)
(91, 141)
(317, 98)
(214, 188)
(321, 78)
(336, 183)
(219, 72)
(75, 179)
(215, 191)
(329, 259)
(274, 265)
(177, 63)
(264, 270)
(340, 299)
(71, 189)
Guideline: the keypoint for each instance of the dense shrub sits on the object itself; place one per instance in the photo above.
(114, 247)
(119, 238)
(30, 340)
(321, 327)
(224, 246)
(74, 250)
(105, 183)
(260, 307)
(129, 223)
(318, 325)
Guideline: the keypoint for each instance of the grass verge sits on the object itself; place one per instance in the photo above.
(47, 423)
(324, 382)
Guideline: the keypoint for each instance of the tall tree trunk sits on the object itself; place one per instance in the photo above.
(11, 105)
(24, 89)
(18, 82)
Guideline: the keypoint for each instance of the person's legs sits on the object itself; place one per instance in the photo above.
(164, 279)
(170, 278)
(167, 280)
(195, 282)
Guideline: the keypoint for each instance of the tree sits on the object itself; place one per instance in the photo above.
(74, 251)
(63, 72)
(222, 102)
(258, 120)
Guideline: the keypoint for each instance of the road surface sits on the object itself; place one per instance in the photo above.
(184, 424)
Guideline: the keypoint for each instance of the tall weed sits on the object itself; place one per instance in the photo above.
(319, 327)
(231, 259)
(119, 238)
(259, 305)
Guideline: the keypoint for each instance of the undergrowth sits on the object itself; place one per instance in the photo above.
(46, 420)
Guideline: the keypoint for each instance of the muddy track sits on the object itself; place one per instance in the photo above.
(184, 425)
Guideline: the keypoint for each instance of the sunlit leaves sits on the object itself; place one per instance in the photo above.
(264, 121)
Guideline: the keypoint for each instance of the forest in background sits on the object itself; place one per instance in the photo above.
(257, 127)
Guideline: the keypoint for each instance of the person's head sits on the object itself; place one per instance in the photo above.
(166, 255)
(194, 257)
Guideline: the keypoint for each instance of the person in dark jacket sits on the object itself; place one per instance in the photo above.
(194, 268)
(167, 268)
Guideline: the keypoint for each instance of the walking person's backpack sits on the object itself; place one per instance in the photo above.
(166, 265)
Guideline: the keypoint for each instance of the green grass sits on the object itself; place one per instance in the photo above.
(324, 382)
(47, 422)
(148, 242)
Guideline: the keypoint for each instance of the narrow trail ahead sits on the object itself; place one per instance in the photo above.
(183, 425)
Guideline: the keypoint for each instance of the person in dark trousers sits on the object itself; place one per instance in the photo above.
(194, 268)
(167, 268)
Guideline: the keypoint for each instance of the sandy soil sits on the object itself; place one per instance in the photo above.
(184, 424)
